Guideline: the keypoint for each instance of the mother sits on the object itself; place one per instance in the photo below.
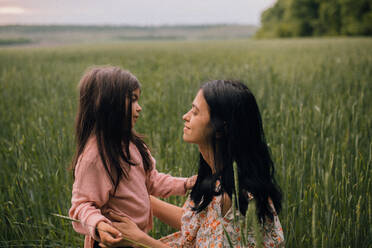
(225, 122)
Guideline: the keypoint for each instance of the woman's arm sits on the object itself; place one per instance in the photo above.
(166, 212)
(150, 242)
(130, 231)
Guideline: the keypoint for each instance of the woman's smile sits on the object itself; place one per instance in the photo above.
(185, 128)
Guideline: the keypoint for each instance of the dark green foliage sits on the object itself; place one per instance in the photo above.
(293, 18)
(14, 41)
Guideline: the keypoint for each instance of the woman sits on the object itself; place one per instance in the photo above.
(225, 123)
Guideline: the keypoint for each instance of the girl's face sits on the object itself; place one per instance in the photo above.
(136, 108)
(197, 129)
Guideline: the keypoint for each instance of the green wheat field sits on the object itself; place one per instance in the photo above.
(315, 97)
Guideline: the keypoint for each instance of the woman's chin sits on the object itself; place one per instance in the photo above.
(184, 137)
(187, 139)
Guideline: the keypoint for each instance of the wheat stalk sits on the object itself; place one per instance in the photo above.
(78, 221)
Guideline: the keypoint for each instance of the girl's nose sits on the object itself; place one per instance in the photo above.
(139, 108)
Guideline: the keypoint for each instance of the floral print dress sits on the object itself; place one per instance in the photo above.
(206, 229)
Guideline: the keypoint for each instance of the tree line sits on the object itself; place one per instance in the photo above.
(292, 18)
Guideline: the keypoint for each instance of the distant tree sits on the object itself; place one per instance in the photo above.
(329, 21)
(291, 18)
(271, 17)
(356, 17)
(304, 13)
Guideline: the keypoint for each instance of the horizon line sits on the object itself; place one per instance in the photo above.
(128, 25)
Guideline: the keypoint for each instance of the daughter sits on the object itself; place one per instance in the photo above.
(113, 169)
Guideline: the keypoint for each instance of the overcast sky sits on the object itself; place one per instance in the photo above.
(135, 12)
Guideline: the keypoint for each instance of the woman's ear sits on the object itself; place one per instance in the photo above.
(223, 132)
(219, 135)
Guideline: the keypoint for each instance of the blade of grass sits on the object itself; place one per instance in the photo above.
(78, 221)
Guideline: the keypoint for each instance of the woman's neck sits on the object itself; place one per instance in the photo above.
(207, 153)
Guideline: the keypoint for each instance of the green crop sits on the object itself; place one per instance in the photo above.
(315, 98)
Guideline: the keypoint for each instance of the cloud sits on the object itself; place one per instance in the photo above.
(11, 10)
(139, 12)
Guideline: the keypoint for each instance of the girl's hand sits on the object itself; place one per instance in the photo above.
(109, 235)
(190, 182)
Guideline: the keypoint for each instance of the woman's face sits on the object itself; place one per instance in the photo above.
(197, 129)
(136, 108)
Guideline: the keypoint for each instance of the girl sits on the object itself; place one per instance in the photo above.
(113, 169)
(225, 123)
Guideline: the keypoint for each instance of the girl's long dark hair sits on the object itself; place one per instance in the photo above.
(237, 136)
(105, 112)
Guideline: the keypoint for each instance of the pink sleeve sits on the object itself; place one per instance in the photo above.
(90, 192)
(164, 185)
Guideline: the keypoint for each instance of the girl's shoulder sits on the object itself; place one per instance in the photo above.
(90, 151)
(89, 158)
(89, 165)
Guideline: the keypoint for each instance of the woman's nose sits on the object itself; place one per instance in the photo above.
(139, 108)
(185, 116)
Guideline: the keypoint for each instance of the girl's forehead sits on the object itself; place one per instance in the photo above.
(137, 91)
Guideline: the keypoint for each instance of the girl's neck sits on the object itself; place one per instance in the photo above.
(207, 153)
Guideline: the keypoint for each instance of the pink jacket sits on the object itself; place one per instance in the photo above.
(92, 192)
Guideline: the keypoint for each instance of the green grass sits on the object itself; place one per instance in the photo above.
(315, 99)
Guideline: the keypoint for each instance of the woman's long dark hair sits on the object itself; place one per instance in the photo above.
(238, 137)
(105, 112)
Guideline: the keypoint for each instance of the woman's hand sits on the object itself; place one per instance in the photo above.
(190, 182)
(129, 230)
(132, 235)
(109, 235)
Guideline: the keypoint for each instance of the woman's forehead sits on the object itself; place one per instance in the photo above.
(199, 102)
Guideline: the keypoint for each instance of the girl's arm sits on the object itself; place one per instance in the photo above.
(165, 185)
(90, 192)
(167, 213)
